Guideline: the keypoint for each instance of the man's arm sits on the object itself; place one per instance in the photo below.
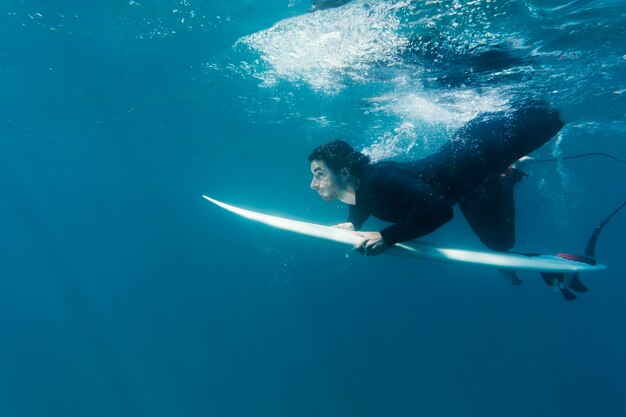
(422, 208)
(422, 220)
(419, 223)
(357, 216)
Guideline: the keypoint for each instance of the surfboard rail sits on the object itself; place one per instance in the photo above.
(418, 249)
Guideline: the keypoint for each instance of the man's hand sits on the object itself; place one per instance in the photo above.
(346, 226)
(372, 244)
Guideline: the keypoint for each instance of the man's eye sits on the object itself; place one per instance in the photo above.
(319, 175)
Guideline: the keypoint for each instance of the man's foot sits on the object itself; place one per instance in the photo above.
(514, 172)
(513, 175)
(522, 162)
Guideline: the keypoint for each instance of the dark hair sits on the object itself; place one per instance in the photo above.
(339, 154)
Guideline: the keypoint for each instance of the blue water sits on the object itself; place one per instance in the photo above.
(124, 293)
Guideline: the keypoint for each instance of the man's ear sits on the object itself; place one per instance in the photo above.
(345, 173)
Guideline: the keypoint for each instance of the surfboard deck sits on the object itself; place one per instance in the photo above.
(418, 249)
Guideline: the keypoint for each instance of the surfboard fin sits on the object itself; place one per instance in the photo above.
(576, 285)
(569, 296)
(567, 282)
(557, 281)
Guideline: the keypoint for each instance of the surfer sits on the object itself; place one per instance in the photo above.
(474, 170)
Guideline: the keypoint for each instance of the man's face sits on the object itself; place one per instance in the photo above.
(327, 184)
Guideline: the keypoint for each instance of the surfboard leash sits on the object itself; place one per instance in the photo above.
(590, 250)
(584, 155)
(573, 282)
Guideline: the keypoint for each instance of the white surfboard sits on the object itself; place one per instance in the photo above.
(421, 250)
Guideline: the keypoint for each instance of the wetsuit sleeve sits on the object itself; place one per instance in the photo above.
(424, 209)
(422, 220)
(357, 216)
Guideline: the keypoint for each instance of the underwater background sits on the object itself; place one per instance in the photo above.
(124, 293)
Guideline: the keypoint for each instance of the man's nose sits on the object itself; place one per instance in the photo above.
(314, 184)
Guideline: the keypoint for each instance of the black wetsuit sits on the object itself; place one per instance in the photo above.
(469, 170)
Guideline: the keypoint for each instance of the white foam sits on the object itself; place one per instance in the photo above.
(327, 48)
(427, 121)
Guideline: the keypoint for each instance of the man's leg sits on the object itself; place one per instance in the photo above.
(490, 211)
(489, 144)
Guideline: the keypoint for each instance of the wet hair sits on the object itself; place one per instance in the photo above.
(339, 154)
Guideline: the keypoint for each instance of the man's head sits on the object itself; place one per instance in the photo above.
(335, 166)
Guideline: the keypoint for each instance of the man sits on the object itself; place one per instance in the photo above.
(472, 170)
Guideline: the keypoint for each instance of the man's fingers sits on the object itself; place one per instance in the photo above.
(370, 247)
(362, 247)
